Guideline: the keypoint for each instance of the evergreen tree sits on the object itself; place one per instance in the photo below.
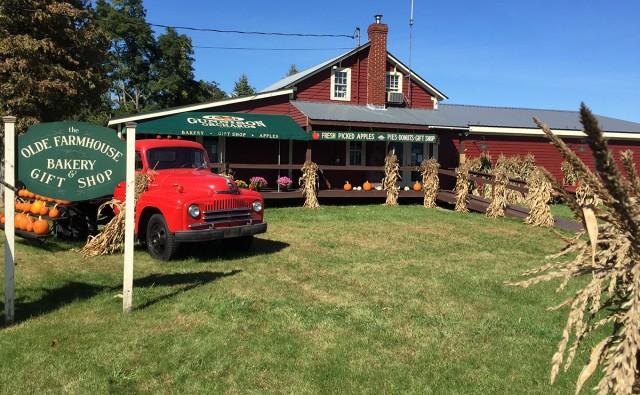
(209, 91)
(243, 88)
(133, 49)
(292, 70)
(52, 60)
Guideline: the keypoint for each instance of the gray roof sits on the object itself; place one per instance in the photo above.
(460, 116)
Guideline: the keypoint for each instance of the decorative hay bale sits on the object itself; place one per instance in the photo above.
(391, 178)
(499, 194)
(430, 181)
(111, 238)
(308, 182)
(462, 187)
(538, 198)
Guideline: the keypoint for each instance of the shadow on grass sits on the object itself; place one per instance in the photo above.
(55, 298)
(187, 280)
(208, 251)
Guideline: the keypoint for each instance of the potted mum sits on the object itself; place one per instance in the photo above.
(257, 183)
(284, 182)
(241, 184)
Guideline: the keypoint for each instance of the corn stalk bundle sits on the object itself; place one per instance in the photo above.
(499, 194)
(391, 178)
(111, 238)
(586, 197)
(626, 157)
(430, 181)
(308, 182)
(462, 186)
(607, 268)
(569, 175)
(538, 198)
(516, 167)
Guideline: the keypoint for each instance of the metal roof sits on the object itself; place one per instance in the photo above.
(459, 116)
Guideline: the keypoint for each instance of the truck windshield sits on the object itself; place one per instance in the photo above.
(176, 158)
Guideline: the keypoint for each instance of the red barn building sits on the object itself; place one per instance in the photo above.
(352, 109)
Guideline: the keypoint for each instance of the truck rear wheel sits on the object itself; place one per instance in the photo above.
(161, 243)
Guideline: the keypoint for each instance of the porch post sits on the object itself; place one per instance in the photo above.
(129, 219)
(462, 157)
(307, 155)
(9, 228)
(290, 158)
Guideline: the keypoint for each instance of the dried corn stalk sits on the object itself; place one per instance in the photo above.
(430, 181)
(626, 157)
(538, 198)
(499, 194)
(111, 238)
(462, 186)
(609, 280)
(308, 182)
(586, 197)
(569, 175)
(391, 178)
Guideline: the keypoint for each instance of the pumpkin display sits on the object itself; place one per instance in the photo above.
(44, 210)
(22, 192)
(367, 186)
(54, 212)
(30, 194)
(19, 219)
(347, 186)
(417, 186)
(41, 226)
(28, 224)
(35, 207)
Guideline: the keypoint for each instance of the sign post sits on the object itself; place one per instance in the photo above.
(129, 224)
(9, 212)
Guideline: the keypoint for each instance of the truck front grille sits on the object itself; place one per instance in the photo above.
(226, 204)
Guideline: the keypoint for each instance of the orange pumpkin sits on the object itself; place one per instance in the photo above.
(367, 186)
(41, 226)
(54, 212)
(417, 186)
(30, 195)
(28, 224)
(2, 219)
(26, 207)
(35, 207)
(44, 209)
(347, 186)
(19, 220)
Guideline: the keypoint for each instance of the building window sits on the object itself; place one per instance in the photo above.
(341, 84)
(355, 153)
(394, 82)
(138, 161)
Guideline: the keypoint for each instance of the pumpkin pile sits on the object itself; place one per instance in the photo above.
(30, 210)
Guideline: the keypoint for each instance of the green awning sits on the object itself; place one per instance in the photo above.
(227, 124)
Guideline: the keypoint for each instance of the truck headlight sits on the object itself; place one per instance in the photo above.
(194, 211)
(257, 206)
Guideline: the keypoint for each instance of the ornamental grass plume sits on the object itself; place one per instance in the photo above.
(499, 193)
(391, 178)
(538, 197)
(308, 182)
(462, 186)
(111, 238)
(607, 268)
(430, 182)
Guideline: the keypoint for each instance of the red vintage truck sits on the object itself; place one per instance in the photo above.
(185, 202)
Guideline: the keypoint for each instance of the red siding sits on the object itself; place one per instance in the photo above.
(278, 105)
(546, 155)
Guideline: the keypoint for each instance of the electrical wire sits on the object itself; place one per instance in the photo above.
(270, 49)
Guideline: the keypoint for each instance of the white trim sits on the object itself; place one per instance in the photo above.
(396, 73)
(332, 94)
(201, 106)
(417, 78)
(538, 132)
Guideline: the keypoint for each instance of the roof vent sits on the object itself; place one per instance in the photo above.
(378, 18)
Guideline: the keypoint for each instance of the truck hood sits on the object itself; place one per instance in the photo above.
(191, 180)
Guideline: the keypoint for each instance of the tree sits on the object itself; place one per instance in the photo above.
(292, 70)
(52, 60)
(133, 50)
(209, 91)
(243, 88)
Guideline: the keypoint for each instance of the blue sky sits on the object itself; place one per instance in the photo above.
(538, 54)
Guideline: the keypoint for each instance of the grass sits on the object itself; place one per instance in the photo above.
(366, 299)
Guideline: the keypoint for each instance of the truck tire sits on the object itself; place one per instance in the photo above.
(161, 243)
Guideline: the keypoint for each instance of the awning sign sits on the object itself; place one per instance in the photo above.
(70, 160)
(323, 135)
(256, 126)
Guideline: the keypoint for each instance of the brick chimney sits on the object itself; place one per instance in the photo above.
(377, 64)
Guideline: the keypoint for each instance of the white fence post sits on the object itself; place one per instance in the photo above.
(129, 220)
(9, 213)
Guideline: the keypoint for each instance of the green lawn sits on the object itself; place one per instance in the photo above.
(366, 299)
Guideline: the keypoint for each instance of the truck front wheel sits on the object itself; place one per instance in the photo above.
(161, 243)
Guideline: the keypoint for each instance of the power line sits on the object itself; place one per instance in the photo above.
(202, 29)
(270, 49)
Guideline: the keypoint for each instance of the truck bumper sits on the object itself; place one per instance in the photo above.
(222, 233)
